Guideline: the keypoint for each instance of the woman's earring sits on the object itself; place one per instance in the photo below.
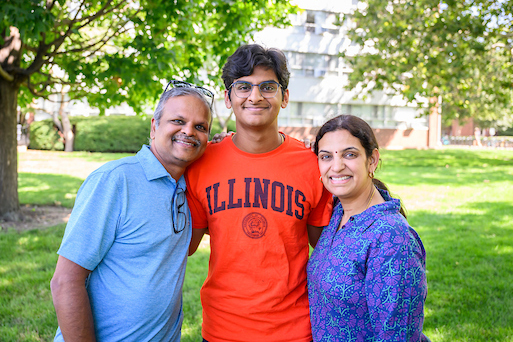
(320, 179)
(371, 174)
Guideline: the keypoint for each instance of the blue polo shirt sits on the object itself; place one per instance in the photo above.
(121, 229)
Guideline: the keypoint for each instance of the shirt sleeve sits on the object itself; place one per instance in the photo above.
(91, 229)
(396, 287)
(198, 215)
(320, 215)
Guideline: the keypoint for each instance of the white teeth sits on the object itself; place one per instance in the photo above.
(340, 178)
(185, 142)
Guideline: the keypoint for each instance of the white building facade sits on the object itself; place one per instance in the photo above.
(313, 45)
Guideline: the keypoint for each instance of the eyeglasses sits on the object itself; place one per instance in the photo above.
(182, 84)
(243, 89)
(180, 218)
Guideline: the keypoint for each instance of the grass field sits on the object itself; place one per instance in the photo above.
(459, 200)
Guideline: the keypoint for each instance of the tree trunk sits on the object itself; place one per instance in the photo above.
(67, 129)
(9, 205)
(224, 122)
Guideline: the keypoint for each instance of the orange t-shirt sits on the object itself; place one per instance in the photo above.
(257, 207)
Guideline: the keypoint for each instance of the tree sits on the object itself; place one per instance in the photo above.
(112, 51)
(459, 51)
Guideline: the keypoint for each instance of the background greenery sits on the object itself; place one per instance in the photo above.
(101, 134)
(459, 200)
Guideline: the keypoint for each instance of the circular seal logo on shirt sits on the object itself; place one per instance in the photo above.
(254, 225)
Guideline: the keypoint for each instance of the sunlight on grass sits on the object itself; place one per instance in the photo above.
(458, 200)
(40, 187)
(504, 249)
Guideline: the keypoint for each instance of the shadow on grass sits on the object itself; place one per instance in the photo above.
(459, 158)
(27, 263)
(48, 189)
(197, 269)
(470, 272)
(418, 176)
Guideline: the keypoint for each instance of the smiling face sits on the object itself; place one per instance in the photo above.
(257, 111)
(182, 134)
(344, 165)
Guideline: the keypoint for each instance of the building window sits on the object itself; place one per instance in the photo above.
(310, 17)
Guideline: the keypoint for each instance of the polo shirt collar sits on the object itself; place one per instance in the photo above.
(152, 167)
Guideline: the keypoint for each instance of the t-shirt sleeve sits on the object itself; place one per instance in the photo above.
(321, 214)
(198, 215)
(92, 226)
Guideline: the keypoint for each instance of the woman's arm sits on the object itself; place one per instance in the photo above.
(396, 288)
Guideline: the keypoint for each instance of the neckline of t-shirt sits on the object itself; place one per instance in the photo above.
(278, 149)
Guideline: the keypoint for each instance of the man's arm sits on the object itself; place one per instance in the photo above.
(197, 235)
(71, 301)
(314, 233)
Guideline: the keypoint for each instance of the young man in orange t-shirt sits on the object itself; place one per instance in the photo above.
(259, 197)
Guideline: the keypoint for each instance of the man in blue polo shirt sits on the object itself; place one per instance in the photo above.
(122, 259)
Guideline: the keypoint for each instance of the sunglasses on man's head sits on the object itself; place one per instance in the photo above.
(182, 84)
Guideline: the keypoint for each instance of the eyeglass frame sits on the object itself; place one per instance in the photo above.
(178, 191)
(183, 84)
(256, 85)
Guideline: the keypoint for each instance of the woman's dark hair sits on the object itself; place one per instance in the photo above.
(247, 57)
(358, 129)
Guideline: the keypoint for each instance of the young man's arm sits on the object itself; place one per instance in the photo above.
(71, 301)
(197, 235)
(314, 233)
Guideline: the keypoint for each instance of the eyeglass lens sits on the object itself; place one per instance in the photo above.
(179, 217)
(267, 89)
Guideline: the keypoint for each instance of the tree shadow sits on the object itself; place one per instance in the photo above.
(48, 189)
(470, 271)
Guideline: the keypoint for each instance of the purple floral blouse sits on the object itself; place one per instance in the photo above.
(367, 282)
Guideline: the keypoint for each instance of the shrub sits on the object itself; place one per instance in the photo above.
(44, 136)
(116, 133)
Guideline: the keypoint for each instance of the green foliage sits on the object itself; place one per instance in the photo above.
(112, 133)
(458, 200)
(123, 51)
(458, 51)
(44, 136)
(96, 134)
(115, 133)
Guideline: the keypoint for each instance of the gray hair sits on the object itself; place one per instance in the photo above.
(182, 91)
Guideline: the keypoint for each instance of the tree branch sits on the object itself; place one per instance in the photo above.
(6, 75)
(103, 11)
(49, 5)
(103, 40)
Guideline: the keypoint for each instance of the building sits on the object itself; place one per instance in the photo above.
(318, 74)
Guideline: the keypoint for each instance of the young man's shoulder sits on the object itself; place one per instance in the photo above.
(297, 144)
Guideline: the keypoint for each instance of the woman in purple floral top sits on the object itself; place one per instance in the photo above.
(367, 275)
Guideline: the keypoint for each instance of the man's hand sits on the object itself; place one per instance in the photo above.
(218, 137)
(308, 144)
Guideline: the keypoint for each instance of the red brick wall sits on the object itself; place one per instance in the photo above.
(462, 131)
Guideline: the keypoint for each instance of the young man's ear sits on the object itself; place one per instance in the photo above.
(227, 101)
(285, 101)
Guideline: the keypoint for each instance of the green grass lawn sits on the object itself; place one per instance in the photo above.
(459, 200)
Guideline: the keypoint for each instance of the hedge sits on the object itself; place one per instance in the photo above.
(117, 133)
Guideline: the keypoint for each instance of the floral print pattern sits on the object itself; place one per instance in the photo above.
(367, 281)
